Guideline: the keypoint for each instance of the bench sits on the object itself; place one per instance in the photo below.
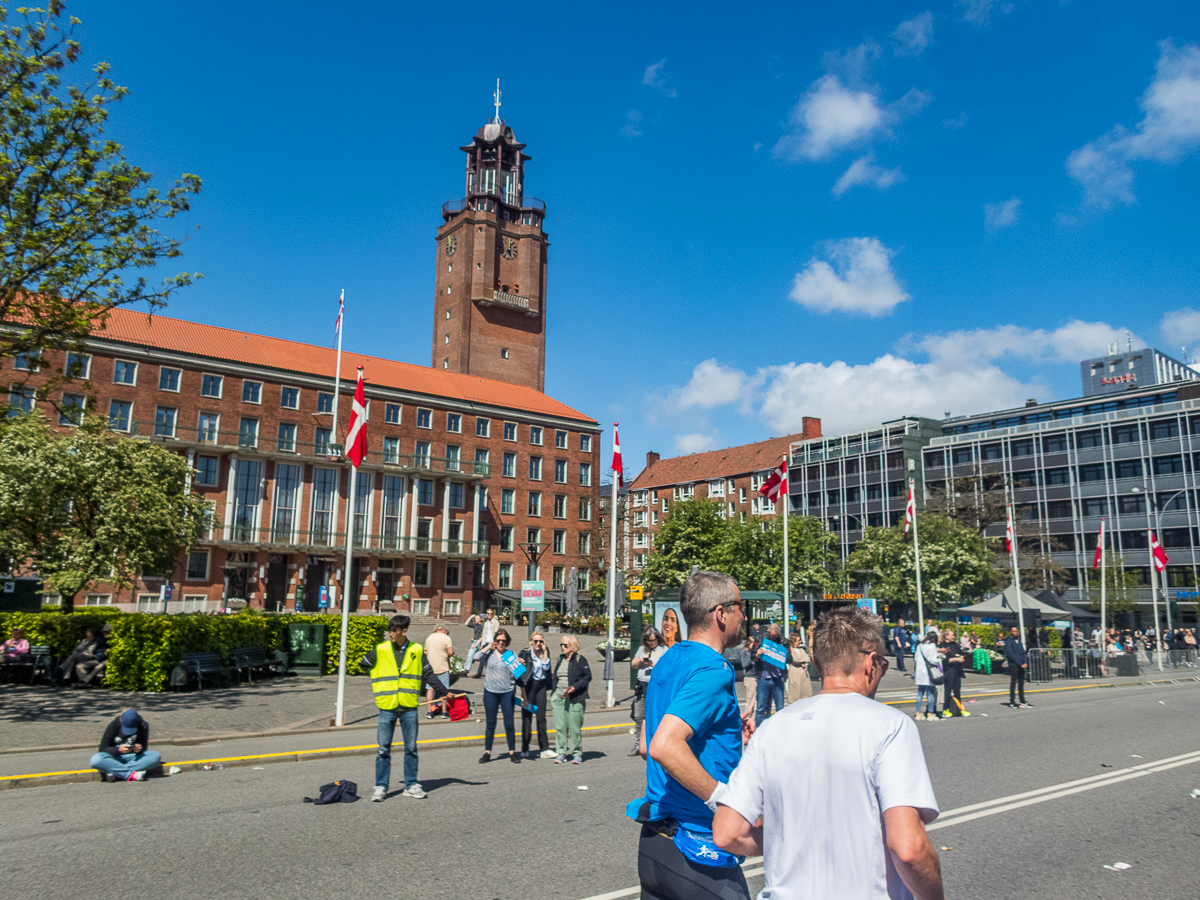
(39, 659)
(207, 662)
(251, 658)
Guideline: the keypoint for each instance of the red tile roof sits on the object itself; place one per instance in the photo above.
(131, 327)
(699, 467)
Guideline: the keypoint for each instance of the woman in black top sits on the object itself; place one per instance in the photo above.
(535, 685)
(952, 666)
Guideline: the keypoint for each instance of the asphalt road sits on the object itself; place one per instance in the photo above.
(507, 831)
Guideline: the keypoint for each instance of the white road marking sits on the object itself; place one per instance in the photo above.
(992, 807)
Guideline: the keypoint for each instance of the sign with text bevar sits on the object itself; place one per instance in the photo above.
(533, 596)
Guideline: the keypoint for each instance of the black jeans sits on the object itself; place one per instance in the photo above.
(1016, 682)
(666, 874)
(538, 697)
(952, 688)
(492, 702)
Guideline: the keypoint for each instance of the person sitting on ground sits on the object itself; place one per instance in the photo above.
(124, 753)
(15, 649)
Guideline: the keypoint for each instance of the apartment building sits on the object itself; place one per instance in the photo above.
(730, 477)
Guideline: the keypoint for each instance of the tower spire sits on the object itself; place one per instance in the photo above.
(496, 102)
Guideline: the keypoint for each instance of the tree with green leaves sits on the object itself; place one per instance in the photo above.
(752, 553)
(90, 506)
(955, 562)
(76, 218)
(691, 535)
(1119, 583)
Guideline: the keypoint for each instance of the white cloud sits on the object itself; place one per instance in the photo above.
(979, 12)
(859, 281)
(830, 116)
(846, 397)
(864, 171)
(957, 122)
(853, 64)
(657, 77)
(633, 124)
(1000, 215)
(1181, 326)
(962, 373)
(712, 384)
(912, 36)
(1169, 129)
(694, 443)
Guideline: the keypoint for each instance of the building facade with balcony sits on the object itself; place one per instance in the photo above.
(462, 476)
(730, 477)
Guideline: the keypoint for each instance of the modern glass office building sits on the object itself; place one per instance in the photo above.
(1130, 458)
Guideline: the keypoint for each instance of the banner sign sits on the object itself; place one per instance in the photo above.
(514, 664)
(774, 653)
(533, 596)
(867, 604)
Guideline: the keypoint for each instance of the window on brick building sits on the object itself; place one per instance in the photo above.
(423, 454)
(456, 495)
(421, 573)
(197, 565)
(321, 439)
(504, 575)
(120, 412)
(483, 465)
(453, 577)
(585, 509)
(560, 542)
(289, 398)
(560, 506)
(560, 471)
(535, 435)
(506, 537)
(79, 365)
(206, 471)
(508, 502)
(168, 379)
(324, 402)
(585, 544)
(72, 408)
(391, 413)
(124, 372)
(211, 386)
(483, 428)
(510, 465)
(585, 443)
(454, 423)
(391, 450)
(164, 421)
(535, 468)
(252, 392)
(585, 474)
(424, 418)
(425, 492)
(510, 431)
(248, 433)
(287, 437)
(558, 577)
(535, 503)
(560, 440)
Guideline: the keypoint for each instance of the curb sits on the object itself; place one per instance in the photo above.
(37, 779)
(1073, 687)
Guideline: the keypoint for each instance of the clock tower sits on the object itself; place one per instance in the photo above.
(489, 314)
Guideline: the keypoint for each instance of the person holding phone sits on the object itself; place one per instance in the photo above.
(535, 683)
(499, 690)
(124, 753)
(643, 661)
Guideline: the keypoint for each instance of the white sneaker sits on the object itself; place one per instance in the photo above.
(136, 776)
(415, 791)
(380, 794)
(548, 754)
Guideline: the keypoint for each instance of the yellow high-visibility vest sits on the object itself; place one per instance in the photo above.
(394, 686)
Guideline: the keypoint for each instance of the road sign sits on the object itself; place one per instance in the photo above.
(635, 592)
(533, 596)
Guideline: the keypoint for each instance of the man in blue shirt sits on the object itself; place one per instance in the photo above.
(770, 679)
(693, 738)
(900, 642)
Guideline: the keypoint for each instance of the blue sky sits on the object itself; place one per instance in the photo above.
(851, 211)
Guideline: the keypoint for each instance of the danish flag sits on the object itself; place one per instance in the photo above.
(1008, 535)
(356, 435)
(337, 325)
(776, 484)
(909, 511)
(617, 468)
(1099, 547)
(1156, 552)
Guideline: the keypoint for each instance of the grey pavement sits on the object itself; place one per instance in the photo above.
(507, 831)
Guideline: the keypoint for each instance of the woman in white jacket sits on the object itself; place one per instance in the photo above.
(925, 660)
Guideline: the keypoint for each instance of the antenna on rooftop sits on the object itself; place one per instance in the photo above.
(1128, 339)
(496, 102)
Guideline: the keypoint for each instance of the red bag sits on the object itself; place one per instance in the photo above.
(459, 706)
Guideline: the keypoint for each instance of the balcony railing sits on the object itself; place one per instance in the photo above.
(497, 191)
(335, 541)
(245, 442)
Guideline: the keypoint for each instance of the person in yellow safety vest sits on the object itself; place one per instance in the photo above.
(398, 670)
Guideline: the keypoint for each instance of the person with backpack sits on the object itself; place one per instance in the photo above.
(398, 669)
(927, 674)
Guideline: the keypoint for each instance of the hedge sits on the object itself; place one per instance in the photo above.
(143, 648)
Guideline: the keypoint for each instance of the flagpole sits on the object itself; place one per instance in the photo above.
(1012, 552)
(917, 558)
(612, 579)
(347, 582)
(337, 375)
(1154, 602)
(1103, 595)
(787, 594)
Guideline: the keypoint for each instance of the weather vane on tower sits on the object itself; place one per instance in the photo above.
(496, 99)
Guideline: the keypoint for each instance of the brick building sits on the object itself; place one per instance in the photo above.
(730, 477)
(471, 484)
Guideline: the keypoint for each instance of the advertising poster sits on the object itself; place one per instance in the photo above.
(669, 622)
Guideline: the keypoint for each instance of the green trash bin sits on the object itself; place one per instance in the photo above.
(306, 648)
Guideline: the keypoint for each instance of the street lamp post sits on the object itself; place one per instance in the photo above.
(1158, 640)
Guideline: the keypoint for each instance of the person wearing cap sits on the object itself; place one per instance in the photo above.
(123, 754)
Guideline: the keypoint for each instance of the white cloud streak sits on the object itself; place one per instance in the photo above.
(864, 171)
(633, 124)
(657, 77)
(913, 36)
(979, 12)
(1000, 215)
(1169, 129)
(1181, 326)
(859, 280)
(694, 443)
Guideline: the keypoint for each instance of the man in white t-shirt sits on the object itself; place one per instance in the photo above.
(840, 784)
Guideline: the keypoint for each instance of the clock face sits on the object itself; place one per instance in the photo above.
(451, 244)
(510, 249)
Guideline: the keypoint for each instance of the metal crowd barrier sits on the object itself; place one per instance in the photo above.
(1070, 663)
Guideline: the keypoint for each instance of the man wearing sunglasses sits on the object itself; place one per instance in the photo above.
(693, 737)
(826, 772)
